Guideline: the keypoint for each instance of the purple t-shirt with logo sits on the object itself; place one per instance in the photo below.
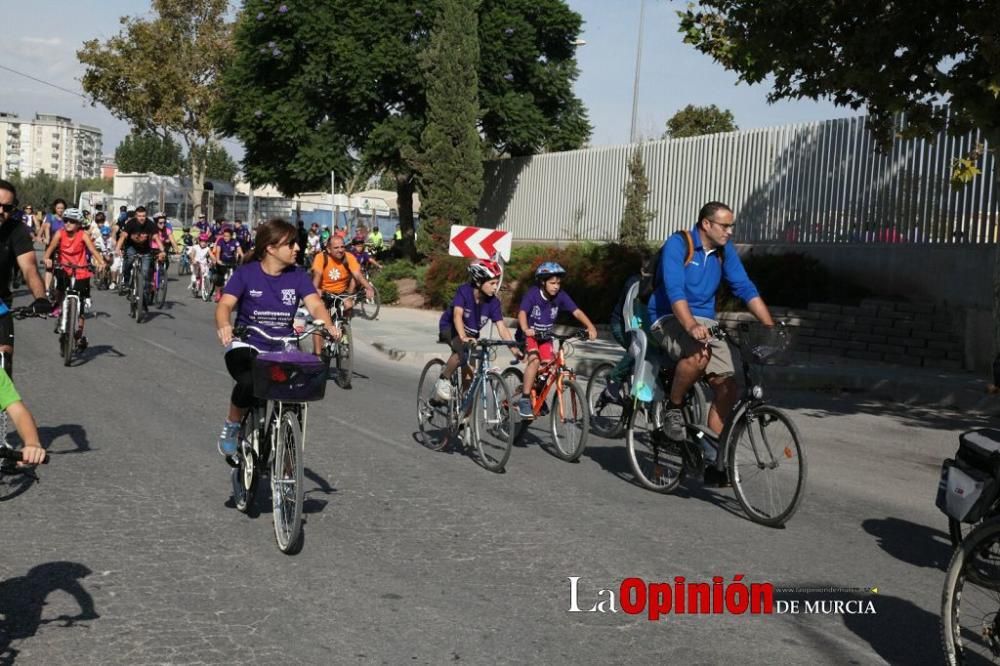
(542, 312)
(475, 316)
(267, 301)
(227, 250)
(55, 223)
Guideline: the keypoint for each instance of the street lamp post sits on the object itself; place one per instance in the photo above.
(635, 80)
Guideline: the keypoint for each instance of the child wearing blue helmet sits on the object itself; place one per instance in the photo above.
(536, 317)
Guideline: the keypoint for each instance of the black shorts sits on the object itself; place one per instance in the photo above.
(82, 286)
(445, 337)
(7, 330)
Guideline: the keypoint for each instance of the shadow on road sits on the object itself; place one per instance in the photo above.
(155, 314)
(819, 405)
(76, 433)
(23, 598)
(912, 543)
(312, 504)
(94, 351)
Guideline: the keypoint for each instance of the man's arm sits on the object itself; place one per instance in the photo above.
(29, 269)
(758, 307)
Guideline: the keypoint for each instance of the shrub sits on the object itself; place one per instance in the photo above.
(442, 278)
(398, 269)
(387, 289)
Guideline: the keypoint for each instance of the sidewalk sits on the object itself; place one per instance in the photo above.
(410, 336)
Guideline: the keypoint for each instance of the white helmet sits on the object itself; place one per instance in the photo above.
(73, 214)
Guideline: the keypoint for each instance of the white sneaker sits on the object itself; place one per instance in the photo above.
(87, 305)
(442, 390)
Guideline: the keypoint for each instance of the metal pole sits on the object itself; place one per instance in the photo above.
(333, 201)
(635, 81)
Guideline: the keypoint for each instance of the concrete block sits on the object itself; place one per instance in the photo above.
(902, 359)
(887, 349)
(932, 335)
(922, 308)
(868, 337)
(810, 341)
(887, 331)
(864, 355)
(825, 307)
(905, 342)
(942, 364)
(944, 345)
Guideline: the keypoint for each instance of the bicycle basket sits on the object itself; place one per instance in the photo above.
(289, 376)
(762, 345)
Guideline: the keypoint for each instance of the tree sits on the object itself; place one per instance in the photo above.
(319, 85)
(160, 74)
(637, 216)
(41, 189)
(893, 58)
(145, 152)
(698, 120)
(216, 162)
(450, 163)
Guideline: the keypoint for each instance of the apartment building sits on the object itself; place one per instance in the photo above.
(50, 143)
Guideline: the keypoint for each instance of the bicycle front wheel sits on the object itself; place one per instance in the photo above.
(345, 357)
(607, 415)
(514, 379)
(72, 315)
(569, 421)
(970, 601)
(370, 306)
(432, 414)
(492, 422)
(657, 462)
(245, 475)
(767, 465)
(161, 290)
(286, 484)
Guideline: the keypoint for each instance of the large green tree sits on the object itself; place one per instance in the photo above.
(144, 152)
(450, 164)
(160, 74)
(698, 120)
(890, 57)
(636, 217)
(315, 86)
(41, 189)
(216, 162)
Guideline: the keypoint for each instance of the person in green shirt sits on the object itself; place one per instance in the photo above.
(375, 240)
(24, 422)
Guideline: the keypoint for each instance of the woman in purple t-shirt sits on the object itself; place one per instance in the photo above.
(265, 292)
(536, 317)
(475, 305)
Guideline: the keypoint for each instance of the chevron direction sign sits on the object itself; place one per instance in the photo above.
(479, 243)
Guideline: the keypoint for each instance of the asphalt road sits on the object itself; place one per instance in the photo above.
(127, 550)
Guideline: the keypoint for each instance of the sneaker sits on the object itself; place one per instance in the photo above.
(442, 390)
(216, 297)
(81, 342)
(674, 425)
(524, 408)
(612, 393)
(227, 440)
(719, 479)
(88, 305)
(56, 311)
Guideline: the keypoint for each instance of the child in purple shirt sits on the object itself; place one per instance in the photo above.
(475, 305)
(536, 317)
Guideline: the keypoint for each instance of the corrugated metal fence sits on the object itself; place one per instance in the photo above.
(810, 183)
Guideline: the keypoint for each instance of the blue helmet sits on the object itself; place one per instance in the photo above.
(549, 269)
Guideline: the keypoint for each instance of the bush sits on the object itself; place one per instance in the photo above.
(387, 289)
(398, 269)
(442, 278)
(792, 280)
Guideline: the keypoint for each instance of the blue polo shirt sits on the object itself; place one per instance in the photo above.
(697, 282)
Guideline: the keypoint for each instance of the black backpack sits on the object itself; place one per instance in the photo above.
(650, 279)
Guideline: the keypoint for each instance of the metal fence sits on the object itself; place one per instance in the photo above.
(809, 183)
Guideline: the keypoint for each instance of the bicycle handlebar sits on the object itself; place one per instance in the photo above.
(15, 455)
(241, 332)
(579, 334)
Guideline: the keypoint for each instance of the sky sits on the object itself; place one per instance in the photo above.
(47, 34)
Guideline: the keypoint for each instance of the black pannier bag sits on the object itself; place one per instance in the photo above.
(970, 483)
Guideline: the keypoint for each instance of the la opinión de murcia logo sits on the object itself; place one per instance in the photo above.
(636, 596)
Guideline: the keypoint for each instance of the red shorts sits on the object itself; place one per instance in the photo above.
(544, 349)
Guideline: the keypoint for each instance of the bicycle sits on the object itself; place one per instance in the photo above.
(569, 417)
(184, 265)
(70, 312)
(138, 298)
(202, 285)
(340, 351)
(369, 307)
(102, 276)
(484, 408)
(272, 432)
(970, 600)
(750, 448)
(609, 416)
(158, 285)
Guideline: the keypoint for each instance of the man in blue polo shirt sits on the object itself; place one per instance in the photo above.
(683, 309)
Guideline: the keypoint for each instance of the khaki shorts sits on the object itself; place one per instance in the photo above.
(677, 344)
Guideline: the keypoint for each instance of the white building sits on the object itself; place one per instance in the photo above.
(50, 143)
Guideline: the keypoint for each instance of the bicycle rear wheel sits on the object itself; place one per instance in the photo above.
(569, 421)
(432, 415)
(245, 475)
(514, 379)
(970, 601)
(206, 287)
(72, 315)
(370, 307)
(657, 462)
(767, 465)
(286, 484)
(607, 417)
(492, 422)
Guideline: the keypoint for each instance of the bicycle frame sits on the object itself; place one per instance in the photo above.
(558, 373)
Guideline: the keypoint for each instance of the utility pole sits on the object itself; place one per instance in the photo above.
(635, 81)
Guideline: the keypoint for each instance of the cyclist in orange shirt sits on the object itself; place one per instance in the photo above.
(333, 269)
